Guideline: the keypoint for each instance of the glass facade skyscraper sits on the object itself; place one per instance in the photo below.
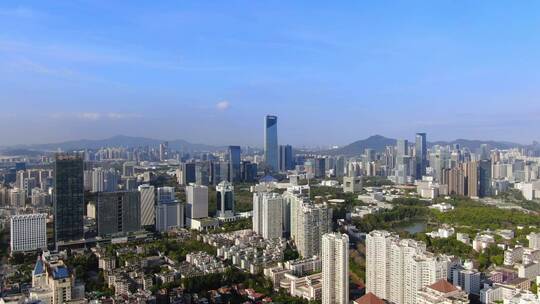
(271, 143)
(234, 161)
(68, 197)
(421, 155)
(286, 161)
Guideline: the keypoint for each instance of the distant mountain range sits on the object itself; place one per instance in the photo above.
(379, 142)
(115, 141)
(376, 142)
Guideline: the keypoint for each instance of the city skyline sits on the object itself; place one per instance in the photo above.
(451, 70)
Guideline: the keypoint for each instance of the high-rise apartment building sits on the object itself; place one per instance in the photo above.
(335, 268)
(397, 268)
(308, 224)
(28, 232)
(271, 143)
(148, 203)
(68, 197)
(267, 214)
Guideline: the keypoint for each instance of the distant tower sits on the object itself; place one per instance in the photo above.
(285, 158)
(271, 142)
(421, 155)
(234, 162)
(163, 151)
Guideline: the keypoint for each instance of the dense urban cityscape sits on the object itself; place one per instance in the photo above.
(414, 222)
(254, 152)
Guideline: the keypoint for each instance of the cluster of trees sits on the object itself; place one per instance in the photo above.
(376, 181)
(491, 255)
(85, 267)
(290, 253)
(178, 250)
(449, 246)
(484, 217)
(391, 218)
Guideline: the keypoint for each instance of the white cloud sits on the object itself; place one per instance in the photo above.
(223, 105)
(92, 116)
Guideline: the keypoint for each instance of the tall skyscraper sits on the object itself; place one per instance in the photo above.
(118, 212)
(335, 268)
(271, 143)
(148, 202)
(484, 178)
(421, 154)
(68, 197)
(234, 163)
(197, 201)
(225, 200)
(267, 214)
(286, 161)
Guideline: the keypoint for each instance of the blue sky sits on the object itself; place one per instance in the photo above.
(208, 71)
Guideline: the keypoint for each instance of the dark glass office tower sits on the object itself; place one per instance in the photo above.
(271, 143)
(234, 161)
(286, 161)
(484, 178)
(421, 155)
(68, 197)
(118, 212)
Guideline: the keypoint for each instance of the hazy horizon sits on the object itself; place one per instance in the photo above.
(208, 72)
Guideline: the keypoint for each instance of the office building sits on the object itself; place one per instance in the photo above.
(234, 153)
(186, 174)
(225, 200)
(148, 202)
(286, 158)
(352, 184)
(197, 201)
(68, 197)
(271, 143)
(166, 194)
(169, 215)
(420, 150)
(267, 215)
(335, 268)
(249, 171)
(118, 212)
(484, 178)
(28, 232)
(202, 170)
